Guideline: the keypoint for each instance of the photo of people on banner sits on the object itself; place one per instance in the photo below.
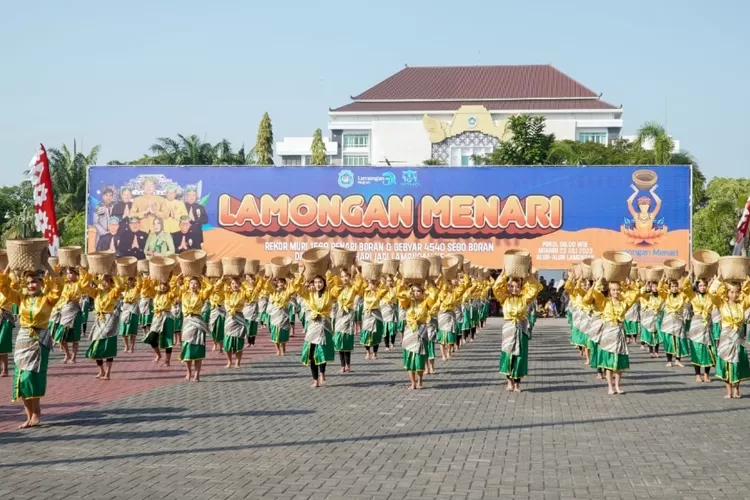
(149, 216)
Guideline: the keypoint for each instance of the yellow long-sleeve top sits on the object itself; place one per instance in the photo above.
(148, 287)
(448, 298)
(281, 298)
(6, 303)
(432, 293)
(192, 303)
(105, 302)
(73, 291)
(129, 294)
(468, 293)
(321, 305)
(347, 295)
(33, 310)
(675, 303)
(391, 297)
(417, 312)
(704, 303)
(371, 298)
(610, 310)
(515, 306)
(163, 302)
(654, 301)
(253, 293)
(577, 294)
(218, 293)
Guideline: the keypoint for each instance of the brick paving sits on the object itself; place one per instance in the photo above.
(262, 432)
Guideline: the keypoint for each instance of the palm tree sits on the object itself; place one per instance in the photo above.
(663, 143)
(68, 170)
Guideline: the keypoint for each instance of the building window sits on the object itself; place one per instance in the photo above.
(356, 160)
(291, 161)
(598, 137)
(356, 140)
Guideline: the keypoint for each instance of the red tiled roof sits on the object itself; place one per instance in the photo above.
(524, 87)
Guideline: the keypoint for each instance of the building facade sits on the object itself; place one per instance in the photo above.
(450, 114)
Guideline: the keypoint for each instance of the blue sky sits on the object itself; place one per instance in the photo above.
(120, 74)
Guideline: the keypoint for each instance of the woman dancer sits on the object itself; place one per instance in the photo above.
(446, 306)
(514, 296)
(652, 302)
(278, 311)
(732, 364)
(234, 326)
(33, 341)
(104, 333)
(699, 327)
(579, 315)
(612, 352)
(194, 327)
(632, 318)
(177, 284)
(7, 324)
(160, 334)
(131, 289)
(253, 287)
(318, 347)
(432, 292)
(218, 316)
(672, 331)
(146, 303)
(389, 310)
(373, 325)
(67, 318)
(343, 338)
(414, 301)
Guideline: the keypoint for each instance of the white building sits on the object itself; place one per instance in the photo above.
(449, 114)
(296, 151)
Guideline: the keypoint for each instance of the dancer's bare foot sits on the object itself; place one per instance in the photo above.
(707, 378)
(213, 348)
(228, 365)
(4, 374)
(196, 378)
(187, 378)
(322, 379)
(342, 370)
(698, 379)
(156, 359)
(374, 357)
(411, 387)
(669, 364)
(728, 396)
(679, 363)
(611, 392)
(619, 391)
(98, 375)
(599, 376)
(106, 377)
(25, 424)
(236, 366)
(165, 364)
(72, 361)
(64, 361)
(315, 385)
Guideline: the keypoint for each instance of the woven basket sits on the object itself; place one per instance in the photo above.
(316, 262)
(517, 263)
(587, 273)
(101, 262)
(459, 257)
(53, 261)
(3, 260)
(597, 269)
(214, 269)
(653, 273)
(450, 267)
(280, 267)
(26, 255)
(192, 263)
(616, 265)
(343, 258)
(127, 267)
(415, 270)
(371, 270)
(705, 264)
(634, 272)
(69, 256)
(575, 271)
(733, 268)
(142, 266)
(467, 267)
(391, 266)
(674, 269)
(252, 266)
(644, 179)
(160, 268)
(233, 266)
(436, 266)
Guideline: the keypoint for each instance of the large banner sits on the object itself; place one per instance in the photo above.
(561, 214)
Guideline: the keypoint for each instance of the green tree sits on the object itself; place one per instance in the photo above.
(663, 144)
(529, 145)
(318, 149)
(18, 211)
(432, 162)
(714, 224)
(264, 144)
(75, 230)
(69, 171)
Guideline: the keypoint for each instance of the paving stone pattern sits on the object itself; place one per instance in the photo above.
(262, 432)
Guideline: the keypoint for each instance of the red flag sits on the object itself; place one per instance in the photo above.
(44, 200)
(742, 229)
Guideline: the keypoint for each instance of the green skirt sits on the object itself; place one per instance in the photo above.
(611, 361)
(368, 338)
(474, 316)
(6, 337)
(516, 366)
(358, 312)
(593, 354)
(217, 332)
(649, 338)
(701, 354)
(72, 334)
(430, 349)
(414, 362)
(28, 384)
(679, 347)
(292, 309)
(631, 328)
(400, 325)
(444, 337)
(131, 327)
(102, 349)
(192, 352)
(85, 310)
(532, 319)
(252, 328)
(734, 373)
(578, 338)
(569, 316)
(321, 353)
(343, 342)
(466, 319)
(163, 339)
(233, 344)
(280, 335)
(14, 309)
(178, 323)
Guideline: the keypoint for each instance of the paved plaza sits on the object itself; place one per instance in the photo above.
(261, 432)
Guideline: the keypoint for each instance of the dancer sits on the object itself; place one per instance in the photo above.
(104, 333)
(652, 302)
(732, 364)
(343, 338)
(514, 296)
(7, 324)
(414, 301)
(234, 326)
(373, 326)
(432, 292)
(579, 315)
(699, 329)
(217, 315)
(448, 299)
(176, 283)
(194, 327)
(146, 303)
(318, 347)
(672, 333)
(131, 291)
(632, 318)
(33, 340)
(389, 310)
(160, 334)
(67, 320)
(278, 311)
(253, 287)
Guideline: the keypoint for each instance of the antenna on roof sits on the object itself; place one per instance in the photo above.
(406, 65)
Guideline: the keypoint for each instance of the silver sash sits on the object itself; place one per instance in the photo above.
(674, 324)
(729, 344)
(612, 339)
(127, 310)
(157, 325)
(412, 340)
(66, 316)
(105, 327)
(144, 305)
(315, 332)
(27, 354)
(633, 314)
(388, 312)
(432, 329)
(648, 319)
(370, 319)
(194, 330)
(250, 311)
(216, 313)
(595, 327)
(700, 330)
(235, 326)
(344, 321)
(279, 317)
(446, 321)
(511, 336)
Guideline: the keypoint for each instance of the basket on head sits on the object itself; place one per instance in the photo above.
(84, 262)
(585, 270)
(160, 268)
(3, 260)
(705, 264)
(391, 266)
(101, 262)
(415, 270)
(26, 255)
(467, 267)
(280, 267)
(316, 262)
(733, 268)
(233, 266)
(192, 263)
(252, 266)
(616, 265)
(517, 263)
(343, 258)
(674, 269)
(141, 266)
(214, 269)
(265, 270)
(450, 266)
(575, 271)
(371, 270)
(127, 267)
(69, 256)
(634, 272)
(653, 273)
(436, 266)
(459, 258)
(596, 268)
(53, 261)
(294, 267)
